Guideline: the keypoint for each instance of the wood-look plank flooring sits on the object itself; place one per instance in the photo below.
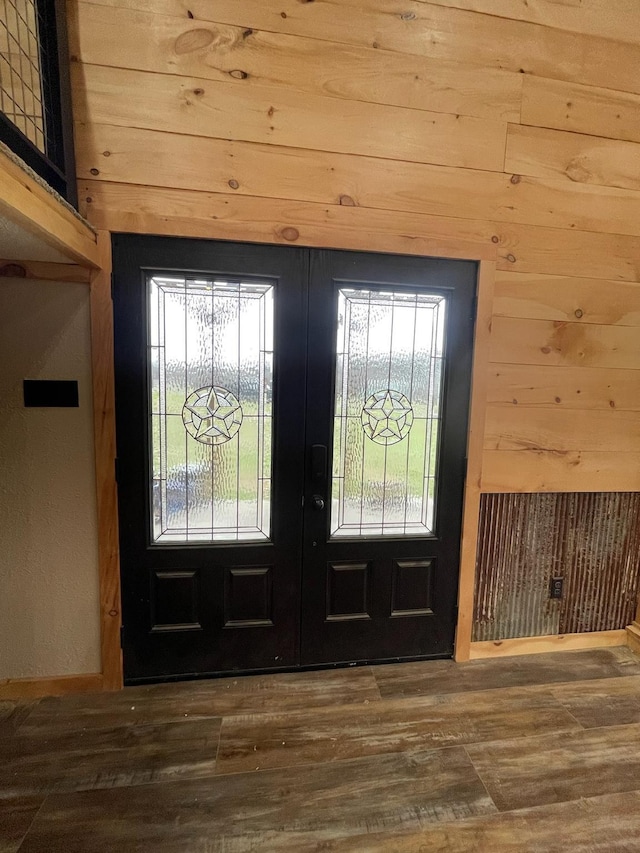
(537, 753)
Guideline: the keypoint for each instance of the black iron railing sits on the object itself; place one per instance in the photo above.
(35, 101)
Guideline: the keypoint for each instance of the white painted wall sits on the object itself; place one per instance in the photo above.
(49, 600)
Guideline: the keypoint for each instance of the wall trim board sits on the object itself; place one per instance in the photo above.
(45, 271)
(62, 685)
(475, 453)
(105, 453)
(24, 201)
(633, 635)
(551, 643)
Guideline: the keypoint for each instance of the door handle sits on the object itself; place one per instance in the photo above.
(317, 502)
(318, 463)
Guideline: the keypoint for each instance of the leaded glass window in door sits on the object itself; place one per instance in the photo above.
(388, 393)
(211, 376)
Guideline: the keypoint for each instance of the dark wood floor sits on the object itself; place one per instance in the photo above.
(536, 753)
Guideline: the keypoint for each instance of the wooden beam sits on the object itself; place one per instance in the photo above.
(471, 509)
(25, 202)
(35, 688)
(105, 454)
(45, 271)
(555, 643)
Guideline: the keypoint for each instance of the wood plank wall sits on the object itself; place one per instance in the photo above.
(510, 128)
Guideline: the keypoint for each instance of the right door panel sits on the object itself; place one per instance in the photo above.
(386, 447)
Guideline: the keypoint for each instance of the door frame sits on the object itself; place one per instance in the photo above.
(104, 431)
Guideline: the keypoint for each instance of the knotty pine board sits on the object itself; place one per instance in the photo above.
(612, 19)
(572, 157)
(524, 341)
(582, 109)
(418, 28)
(202, 107)
(560, 471)
(301, 65)
(520, 428)
(274, 171)
(563, 387)
(551, 297)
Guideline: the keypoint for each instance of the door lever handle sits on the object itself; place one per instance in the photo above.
(318, 463)
(317, 501)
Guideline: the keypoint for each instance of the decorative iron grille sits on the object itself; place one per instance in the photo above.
(34, 89)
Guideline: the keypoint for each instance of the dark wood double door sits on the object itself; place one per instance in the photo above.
(291, 433)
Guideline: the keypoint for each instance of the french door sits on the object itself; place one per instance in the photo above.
(291, 433)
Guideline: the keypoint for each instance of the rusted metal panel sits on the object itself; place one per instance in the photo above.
(591, 540)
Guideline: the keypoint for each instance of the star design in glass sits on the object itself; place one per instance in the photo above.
(387, 417)
(212, 415)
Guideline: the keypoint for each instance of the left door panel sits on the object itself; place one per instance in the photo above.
(210, 372)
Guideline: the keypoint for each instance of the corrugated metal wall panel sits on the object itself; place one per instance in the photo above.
(592, 540)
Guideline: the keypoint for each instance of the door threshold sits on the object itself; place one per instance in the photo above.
(311, 667)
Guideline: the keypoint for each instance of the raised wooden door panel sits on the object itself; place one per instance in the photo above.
(210, 439)
(389, 361)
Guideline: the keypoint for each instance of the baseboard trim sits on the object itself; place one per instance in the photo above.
(553, 643)
(633, 637)
(36, 688)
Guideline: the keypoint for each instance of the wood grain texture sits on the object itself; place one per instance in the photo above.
(557, 251)
(557, 430)
(419, 29)
(560, 471)
(194, 105)
(258, 742)
(581, 109)
(613, 19)
(607, 824)
(573, 157)
(226, 216)
(197, 700)
(34, 688)
(445, 677)
(499, 130)
(633, 636)
(105, 758)
(295, 809)
(551, 297)
(564, 387)
(105, 454)
(12, 715)
(117, 785)
(16, 816)
(32, 207)
(524, 341)
(484, 649)
(548, 769)
(120, 155)
(477, 413)
(609, 702)
(217, 51)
